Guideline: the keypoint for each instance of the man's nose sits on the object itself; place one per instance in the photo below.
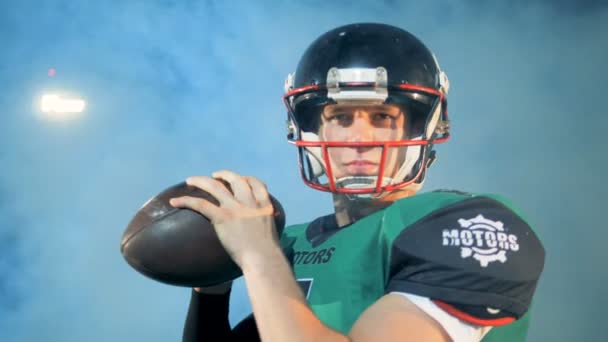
(361, 129)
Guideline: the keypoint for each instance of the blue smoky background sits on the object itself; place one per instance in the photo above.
(178, 88)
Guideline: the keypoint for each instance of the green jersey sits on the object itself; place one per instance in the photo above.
(473, 255)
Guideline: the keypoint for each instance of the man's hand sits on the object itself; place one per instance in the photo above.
(243, 220)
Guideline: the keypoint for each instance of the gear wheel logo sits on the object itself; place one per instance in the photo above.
(482, 239)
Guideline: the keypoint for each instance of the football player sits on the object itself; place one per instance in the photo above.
(366, 107)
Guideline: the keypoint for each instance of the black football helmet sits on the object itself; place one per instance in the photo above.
(366, 64)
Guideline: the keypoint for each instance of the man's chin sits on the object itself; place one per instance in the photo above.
(357, 175)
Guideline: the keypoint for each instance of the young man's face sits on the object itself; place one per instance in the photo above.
(362, 124)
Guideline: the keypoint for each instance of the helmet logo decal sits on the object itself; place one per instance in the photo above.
(483, 239)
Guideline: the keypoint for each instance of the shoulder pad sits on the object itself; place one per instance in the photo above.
(474, 252)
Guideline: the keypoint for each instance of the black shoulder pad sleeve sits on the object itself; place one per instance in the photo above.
(476, 255)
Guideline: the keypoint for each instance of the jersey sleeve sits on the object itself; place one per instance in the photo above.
(476, 259)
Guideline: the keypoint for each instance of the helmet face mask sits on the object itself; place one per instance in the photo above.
(401, 76)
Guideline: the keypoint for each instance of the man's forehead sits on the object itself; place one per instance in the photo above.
(366, 107)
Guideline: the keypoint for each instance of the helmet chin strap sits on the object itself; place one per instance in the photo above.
(412, 154)
(316, 162)
(360, 182)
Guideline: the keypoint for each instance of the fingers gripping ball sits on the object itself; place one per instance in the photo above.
(179, 246)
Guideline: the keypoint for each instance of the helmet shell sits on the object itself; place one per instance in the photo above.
(369, 45)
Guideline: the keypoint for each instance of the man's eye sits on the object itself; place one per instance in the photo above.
(341, 117)
(382, 116)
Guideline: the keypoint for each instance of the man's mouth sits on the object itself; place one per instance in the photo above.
(360, 163)
(366, 167)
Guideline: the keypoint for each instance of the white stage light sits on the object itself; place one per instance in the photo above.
(57, 106)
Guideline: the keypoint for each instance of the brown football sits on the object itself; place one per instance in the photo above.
(179, 246)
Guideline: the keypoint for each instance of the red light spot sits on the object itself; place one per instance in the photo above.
(51, 72)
